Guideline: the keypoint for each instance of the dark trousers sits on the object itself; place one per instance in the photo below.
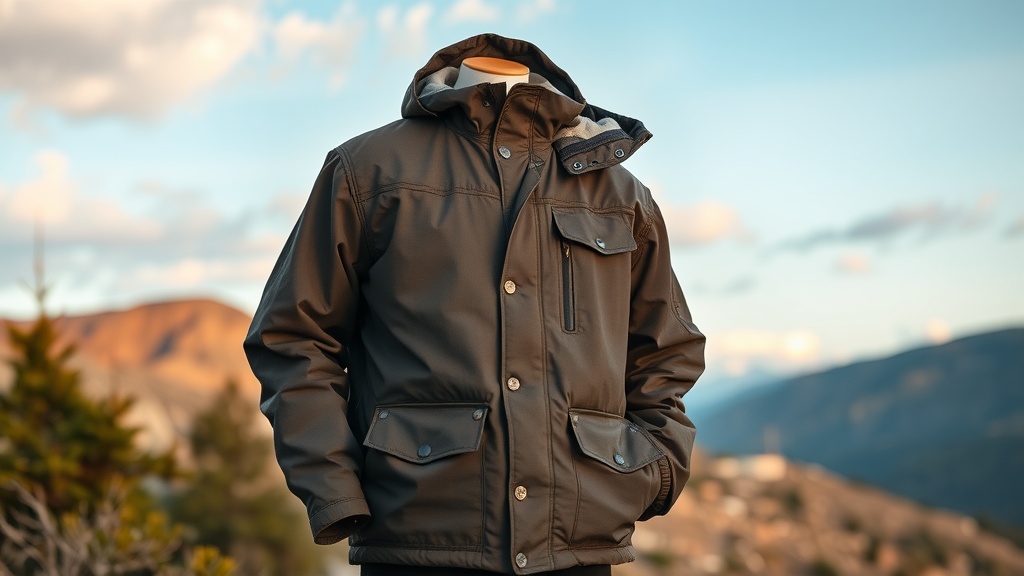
(396, 570)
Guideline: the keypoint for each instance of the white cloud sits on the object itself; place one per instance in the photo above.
(120, 57)
(737, 350)
(703, 223)
(472, 11)
(174, 241)
(52, 199)
(405, 35)
(330, 44)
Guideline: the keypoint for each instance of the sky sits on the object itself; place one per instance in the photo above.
(841, 180)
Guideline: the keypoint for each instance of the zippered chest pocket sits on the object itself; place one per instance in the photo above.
(595, 235)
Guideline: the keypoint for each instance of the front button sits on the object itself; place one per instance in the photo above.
(424, 451)
(504, 151)
(478, 413)
(599, 242)
(620, 460)
(510, 287)
(513, 383)
(384, 414)
(520, 493)
(521, 560)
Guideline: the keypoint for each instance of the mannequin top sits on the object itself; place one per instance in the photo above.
(485, 70)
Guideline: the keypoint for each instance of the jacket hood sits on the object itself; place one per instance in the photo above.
(585, 137)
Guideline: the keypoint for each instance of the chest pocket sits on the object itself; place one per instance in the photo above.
(586, 237)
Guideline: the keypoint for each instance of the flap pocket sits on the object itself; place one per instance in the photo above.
(421, 433)
(616, 442)
(604, 233)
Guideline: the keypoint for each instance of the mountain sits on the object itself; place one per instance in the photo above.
(171, 356)
(942, 424)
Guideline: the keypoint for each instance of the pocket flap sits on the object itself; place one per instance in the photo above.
(605, 233)
(421, 433)
(613, 441)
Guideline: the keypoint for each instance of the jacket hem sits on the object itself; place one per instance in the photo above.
(488, 559)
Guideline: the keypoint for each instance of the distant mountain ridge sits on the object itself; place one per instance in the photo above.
(171, 356)
(940, 424)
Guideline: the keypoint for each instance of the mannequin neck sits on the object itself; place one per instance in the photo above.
(484, 70)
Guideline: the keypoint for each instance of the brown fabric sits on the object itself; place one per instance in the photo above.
(396, 570)
(471, 351)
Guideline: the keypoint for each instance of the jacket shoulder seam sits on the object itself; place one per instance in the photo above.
(353, 194)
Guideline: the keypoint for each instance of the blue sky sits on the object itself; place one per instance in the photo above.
(840, 179)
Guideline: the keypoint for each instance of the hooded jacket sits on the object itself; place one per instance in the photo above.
(472, 347)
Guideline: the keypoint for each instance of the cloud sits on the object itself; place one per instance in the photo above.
(174, 240)
(120, 57)
(471, 11)
(854, 263)
(929, 220)
(405, 35)
(51, 199)
(703, 223)
(737, 350)
(330, 44)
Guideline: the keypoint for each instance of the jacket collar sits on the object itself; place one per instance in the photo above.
(585, 137)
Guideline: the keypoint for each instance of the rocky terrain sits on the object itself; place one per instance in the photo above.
(764, 515)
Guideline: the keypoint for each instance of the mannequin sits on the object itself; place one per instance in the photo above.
(484, 70)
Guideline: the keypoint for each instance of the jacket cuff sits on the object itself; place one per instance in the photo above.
(338, 520)
(658, 506)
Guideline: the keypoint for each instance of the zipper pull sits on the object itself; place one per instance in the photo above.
(566, 250)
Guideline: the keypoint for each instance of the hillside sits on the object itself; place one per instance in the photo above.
(940, 424)
(764, 515)
(172, 356)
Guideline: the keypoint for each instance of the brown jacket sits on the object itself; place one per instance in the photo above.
(472, 347)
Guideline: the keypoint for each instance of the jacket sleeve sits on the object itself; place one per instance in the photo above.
(296, 347)
(665, 357)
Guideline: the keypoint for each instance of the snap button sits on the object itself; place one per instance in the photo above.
(478, 413)
(424, 451)
(521, 560)
(575, 418)
(487, 103)
(513, 383)
(577, 165)
(504, 151)
(384, 414)
(599, 242)
(520, 493)
(620, 460)
(510, 287)
(619, 153)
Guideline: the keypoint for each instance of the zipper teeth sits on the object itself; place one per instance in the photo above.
(568, 311)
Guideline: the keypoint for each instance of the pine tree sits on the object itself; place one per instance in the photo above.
(56, 439)
(230, 501)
